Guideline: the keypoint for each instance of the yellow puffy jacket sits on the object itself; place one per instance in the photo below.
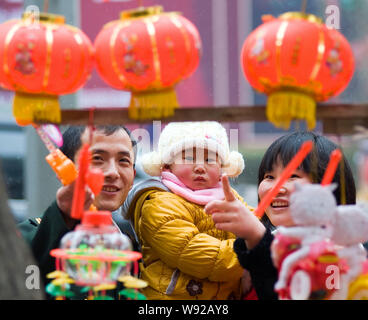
(184, 255)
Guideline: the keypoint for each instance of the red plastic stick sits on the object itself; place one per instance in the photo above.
(79, 189)
(288, 171)
(92, 177)
(335, 158)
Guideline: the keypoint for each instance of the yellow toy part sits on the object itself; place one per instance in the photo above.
(61, 281)
(104, 286)
(131, 282)
(57, 274)
(358, 289)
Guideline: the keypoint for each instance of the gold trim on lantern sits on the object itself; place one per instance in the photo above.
(78, 39)
(300, 16)
(312, 88)
(141, 12)
(321, 51)
(45, 17)
(49, 41)
(279, 40)
(113, 38)
(176, 22)
(156, 59)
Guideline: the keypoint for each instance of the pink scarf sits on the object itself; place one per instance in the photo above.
(201, 197)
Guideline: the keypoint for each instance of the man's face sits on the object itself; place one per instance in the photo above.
(114, 156)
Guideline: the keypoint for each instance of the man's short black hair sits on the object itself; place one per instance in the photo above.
(72, 138)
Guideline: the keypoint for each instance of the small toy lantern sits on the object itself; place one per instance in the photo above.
(41, 58)
(96, 251)
(296, 61)
(148, 52)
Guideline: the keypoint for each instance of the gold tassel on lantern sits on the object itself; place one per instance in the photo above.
(29, 108)
(285, 106)
(153, 104)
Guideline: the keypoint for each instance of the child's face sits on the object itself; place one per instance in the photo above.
(278, 212)
(197, 168)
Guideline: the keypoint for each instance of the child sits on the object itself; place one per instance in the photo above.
(184, 255)
(254, 238)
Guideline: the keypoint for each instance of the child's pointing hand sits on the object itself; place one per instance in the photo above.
(232, 215)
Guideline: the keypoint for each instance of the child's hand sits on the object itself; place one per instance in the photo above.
(232, 215)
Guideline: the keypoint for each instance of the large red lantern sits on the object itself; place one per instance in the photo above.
(148, 52)
(297, 61)
(42, 58)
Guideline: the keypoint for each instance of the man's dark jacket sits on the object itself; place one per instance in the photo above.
(44, 234)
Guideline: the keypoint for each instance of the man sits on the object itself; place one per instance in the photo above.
(114, 152)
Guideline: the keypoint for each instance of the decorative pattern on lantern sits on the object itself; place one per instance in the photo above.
(297, 61)
(148, 52)
(41, 58)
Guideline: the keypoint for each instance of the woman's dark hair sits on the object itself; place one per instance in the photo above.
(284, 148)
(72, 138)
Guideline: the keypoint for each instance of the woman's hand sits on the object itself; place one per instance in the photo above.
(232, 215)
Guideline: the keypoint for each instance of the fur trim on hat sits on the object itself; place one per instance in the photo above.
(151, 163)
(235, 164)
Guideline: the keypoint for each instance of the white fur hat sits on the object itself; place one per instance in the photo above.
(178, 136)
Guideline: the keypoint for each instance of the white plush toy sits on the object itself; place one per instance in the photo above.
(350, 230)
(312, 209)
(317, 217)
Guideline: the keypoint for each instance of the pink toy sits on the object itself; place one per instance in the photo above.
(312, 221)
(324, 235)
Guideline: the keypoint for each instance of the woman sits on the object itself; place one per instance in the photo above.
(254, 238)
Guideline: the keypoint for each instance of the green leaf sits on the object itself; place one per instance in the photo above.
(86, 289)
(59, 290)
(132, 294)
(103, 298)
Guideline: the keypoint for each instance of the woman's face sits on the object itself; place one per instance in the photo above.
(278, 212)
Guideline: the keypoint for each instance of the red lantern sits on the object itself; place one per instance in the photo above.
(296, 60)
(40, 60)
(148, 52)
